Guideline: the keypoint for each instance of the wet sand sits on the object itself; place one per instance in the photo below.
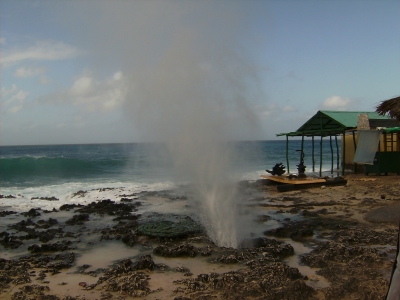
(334, 242)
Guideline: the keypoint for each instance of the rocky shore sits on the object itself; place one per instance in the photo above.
(334, 242)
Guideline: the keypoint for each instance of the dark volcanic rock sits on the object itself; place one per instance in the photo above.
(145, 262)
(258, 242)
(31, 213)
(176, 251)
(6, 213)
(59, 246)
(68, 207)
(78, 219)
(366, 236)
(7, 197)
(24, 225)
(261, 281)
(298, 230)
(79, 194)
(45, 198)
(8, 241)
(339, 253)
(47, 224)
(107, 207)
(169, 229)
(126, 279)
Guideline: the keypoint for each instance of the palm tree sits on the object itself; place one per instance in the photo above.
(389, 107)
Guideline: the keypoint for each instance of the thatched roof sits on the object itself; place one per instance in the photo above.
(389, 107)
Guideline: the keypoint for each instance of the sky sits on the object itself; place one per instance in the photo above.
(118, 71)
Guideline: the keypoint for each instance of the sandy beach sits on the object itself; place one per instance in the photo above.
(330, 242)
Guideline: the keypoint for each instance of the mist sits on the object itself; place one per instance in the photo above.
(192, 85)
(193, 103)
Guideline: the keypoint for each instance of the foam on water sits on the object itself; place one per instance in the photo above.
(64, 192)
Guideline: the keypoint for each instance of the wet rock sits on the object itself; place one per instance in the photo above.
(59, 246)
(8, 241)
(125, 231)
(258, 242)
(176, 251)
(31, 213)
(182, 269)
(261, 281)
(68, 207)
(7, 196)
(79, 194)
(45, 198)
(34, 292)
(298, 230)
(263, 218)
(126, 279)
(6, 213)
(206, 251)
(126, 199)
(339, 253)
(170, 229)
(145, 262)
(229, 259)
(24, 225)
(107, 207)
(366, 236)
(47, 224)
(78, 219)
(129, 239)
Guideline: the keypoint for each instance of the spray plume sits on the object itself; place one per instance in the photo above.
(190, 79)
(193, 103)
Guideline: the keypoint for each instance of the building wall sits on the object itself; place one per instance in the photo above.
(388, 142)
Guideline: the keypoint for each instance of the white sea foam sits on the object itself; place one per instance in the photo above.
(64, 193)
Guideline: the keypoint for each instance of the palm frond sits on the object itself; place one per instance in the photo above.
(389, 107)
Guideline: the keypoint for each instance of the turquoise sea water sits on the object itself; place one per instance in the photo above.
(59, 170)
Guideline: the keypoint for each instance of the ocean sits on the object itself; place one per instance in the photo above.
(30, 172)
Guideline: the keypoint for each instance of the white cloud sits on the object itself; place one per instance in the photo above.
(15, 109)
(44, 79)
(82, 86)
(4, 92)
(91, 94)
(267, 110)
(13, 99)
(118, 76)
(41, 50)
(288, 108)
(337, 103)
(24, 72)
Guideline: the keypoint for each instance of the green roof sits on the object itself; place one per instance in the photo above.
(348, 119)
(326, 122)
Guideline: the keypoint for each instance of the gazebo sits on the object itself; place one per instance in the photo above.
(332, 124)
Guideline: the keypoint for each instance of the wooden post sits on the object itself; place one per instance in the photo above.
(355, 149)
(313, 158)
(320, 157)
(337, 153)
(287, 153)
(330, 143)
(344, 153)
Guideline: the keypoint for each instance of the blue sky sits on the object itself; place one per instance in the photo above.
(133, 71)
